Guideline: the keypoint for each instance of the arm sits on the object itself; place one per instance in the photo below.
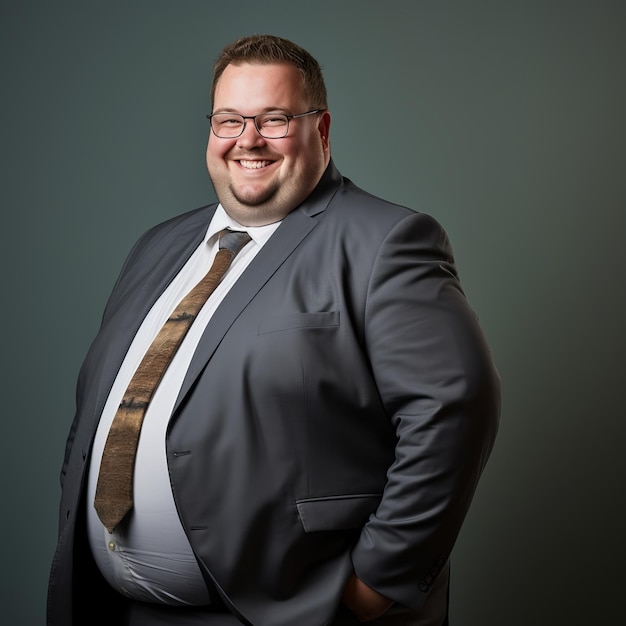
(440, 389)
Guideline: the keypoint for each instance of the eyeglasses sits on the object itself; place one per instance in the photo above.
(268, 125)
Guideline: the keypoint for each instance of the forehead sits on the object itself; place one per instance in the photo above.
(257, 85)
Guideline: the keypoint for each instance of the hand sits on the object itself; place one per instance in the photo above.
(366, 603)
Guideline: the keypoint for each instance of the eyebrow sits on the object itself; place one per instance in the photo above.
(265, 110)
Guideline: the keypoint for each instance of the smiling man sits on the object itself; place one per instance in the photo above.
(259, 175)
(287, 409)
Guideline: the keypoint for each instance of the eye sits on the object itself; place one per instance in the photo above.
(273, 121)
(227, 120)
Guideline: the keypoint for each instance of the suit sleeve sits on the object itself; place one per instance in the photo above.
(441, 392)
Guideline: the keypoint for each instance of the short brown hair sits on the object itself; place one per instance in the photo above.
(266, 49)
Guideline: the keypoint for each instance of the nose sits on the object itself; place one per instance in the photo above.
(250, 138)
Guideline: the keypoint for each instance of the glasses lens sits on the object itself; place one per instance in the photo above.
(272, 125)
(227, 124)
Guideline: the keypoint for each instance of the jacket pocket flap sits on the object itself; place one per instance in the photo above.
(336, 512)
(299, 320)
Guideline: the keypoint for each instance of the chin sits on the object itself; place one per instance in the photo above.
(255, 199)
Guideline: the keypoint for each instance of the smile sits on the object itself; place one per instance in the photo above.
(254, 165)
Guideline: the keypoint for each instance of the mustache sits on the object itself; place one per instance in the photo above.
(256, 153)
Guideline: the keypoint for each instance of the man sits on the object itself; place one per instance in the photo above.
(310, 452)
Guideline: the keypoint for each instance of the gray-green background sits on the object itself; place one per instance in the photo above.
(504, 120)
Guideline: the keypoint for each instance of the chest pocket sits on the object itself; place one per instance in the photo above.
(293, 321)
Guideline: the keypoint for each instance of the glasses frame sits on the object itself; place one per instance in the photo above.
(253, 117)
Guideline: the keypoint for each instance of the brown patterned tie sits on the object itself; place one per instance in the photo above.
(114, 490)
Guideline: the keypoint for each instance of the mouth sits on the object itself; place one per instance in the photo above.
(254, 165)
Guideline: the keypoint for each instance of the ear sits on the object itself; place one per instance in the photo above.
(323, 128)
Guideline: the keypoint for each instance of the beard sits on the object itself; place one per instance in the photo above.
(254, 198)
(253, 204)
(249, 205)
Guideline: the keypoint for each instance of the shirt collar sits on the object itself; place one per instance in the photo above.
(221, 220)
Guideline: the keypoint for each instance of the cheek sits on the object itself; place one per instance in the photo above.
(216, 149)
(306, 159)
(296, 157)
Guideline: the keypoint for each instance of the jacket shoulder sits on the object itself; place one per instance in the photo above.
(363, 214)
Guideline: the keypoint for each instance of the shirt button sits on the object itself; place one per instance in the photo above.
(112, 545)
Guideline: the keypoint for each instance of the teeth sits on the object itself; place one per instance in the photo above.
(254, 165)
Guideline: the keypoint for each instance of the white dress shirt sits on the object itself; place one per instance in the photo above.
(148, 557)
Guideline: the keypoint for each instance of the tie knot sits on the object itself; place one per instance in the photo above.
(233, 240)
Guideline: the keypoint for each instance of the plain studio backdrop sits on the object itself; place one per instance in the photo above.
(504, 120)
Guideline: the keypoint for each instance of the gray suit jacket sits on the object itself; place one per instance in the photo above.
(337, 413)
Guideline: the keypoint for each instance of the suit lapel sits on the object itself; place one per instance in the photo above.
(273, 254)
(289, 235)
(134, 298)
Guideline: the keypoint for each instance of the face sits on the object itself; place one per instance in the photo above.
(257, 180)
